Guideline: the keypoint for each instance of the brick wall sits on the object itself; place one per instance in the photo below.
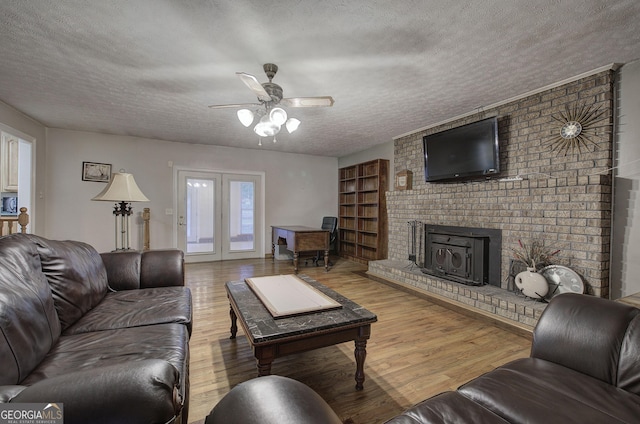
(563, 200)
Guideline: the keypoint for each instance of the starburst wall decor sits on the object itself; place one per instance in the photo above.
(578, 129)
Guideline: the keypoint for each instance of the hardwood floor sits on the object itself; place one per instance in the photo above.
(417, 348)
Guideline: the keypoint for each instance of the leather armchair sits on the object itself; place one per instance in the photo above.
(584, 367)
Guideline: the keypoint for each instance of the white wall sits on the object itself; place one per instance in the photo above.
(299, 189)
(625, 246)
(381, 151)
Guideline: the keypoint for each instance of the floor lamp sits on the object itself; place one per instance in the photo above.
(123, 190)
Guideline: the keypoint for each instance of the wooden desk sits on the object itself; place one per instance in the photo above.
(301, 239)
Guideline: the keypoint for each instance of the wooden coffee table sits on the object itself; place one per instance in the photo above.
(275, 337)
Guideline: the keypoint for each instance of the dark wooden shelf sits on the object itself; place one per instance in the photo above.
(362, 224)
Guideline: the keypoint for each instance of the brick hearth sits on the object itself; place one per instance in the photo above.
(494, 302)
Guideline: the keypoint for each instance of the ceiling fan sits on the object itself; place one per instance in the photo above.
(271, 115)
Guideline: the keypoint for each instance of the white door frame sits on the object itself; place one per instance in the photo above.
(259, 219)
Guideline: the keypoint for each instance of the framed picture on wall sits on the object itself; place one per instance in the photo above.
(99, 172)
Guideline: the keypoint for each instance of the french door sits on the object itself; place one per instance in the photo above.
(219, 216)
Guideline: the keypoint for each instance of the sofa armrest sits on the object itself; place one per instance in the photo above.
(162, 268)
(584, 333)
(131, 269)
(9, 392)
(135, 392)
(123, 269)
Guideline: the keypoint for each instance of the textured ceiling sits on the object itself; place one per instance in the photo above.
(149, 68)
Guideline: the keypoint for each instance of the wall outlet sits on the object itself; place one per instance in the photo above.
(168, 211)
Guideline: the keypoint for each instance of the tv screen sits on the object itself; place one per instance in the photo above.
(466, 152)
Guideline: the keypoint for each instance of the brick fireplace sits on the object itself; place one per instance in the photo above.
(563, 200)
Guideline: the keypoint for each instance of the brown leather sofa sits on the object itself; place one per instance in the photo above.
(105, 335)
(584, 367)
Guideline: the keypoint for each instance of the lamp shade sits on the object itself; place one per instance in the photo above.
(292, 125)
(266, 128)
(278, 116)
(245, 116)
(121, 188)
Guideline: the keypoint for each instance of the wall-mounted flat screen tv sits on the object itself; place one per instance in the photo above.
(467, 152)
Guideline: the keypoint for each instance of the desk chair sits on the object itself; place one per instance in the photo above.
(328, 223)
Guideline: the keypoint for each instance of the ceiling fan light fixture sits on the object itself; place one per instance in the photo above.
(246, 117)
(266, 128)
(278, 115)
(292, 125)
(269, 112)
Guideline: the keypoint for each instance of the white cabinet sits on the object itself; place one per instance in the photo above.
(9, 158)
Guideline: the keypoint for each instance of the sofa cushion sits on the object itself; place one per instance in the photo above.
(78, 352)
(133, 392)
(29, 325)
(545, 392)
(76, 275)
(445, 408)
(135, 308)
(129, 270)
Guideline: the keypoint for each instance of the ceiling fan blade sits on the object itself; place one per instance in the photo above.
(322, 101)
(255, 86)
(238, 105)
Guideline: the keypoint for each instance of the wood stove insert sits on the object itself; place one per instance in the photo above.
(462, 254)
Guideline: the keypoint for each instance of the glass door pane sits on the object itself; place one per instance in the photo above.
(241, 215)
(200, 217)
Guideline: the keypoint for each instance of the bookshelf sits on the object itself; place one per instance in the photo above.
(362, 220)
